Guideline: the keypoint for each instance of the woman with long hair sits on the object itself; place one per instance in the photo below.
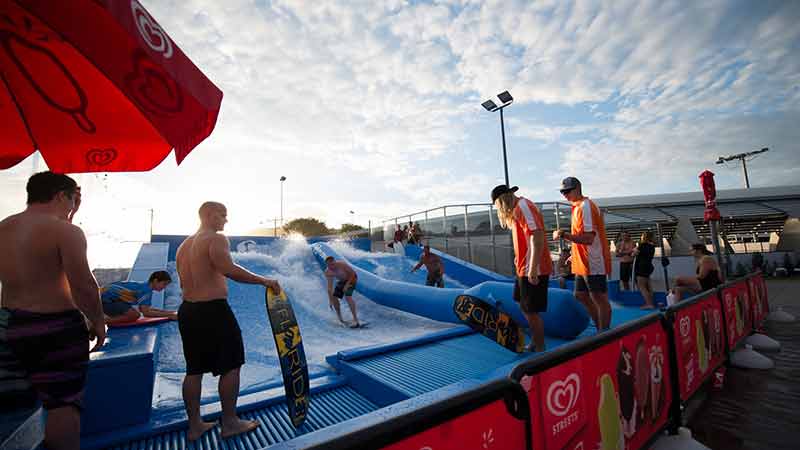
(643, 267)
(531, 257)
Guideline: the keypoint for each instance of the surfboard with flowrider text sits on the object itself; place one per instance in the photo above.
(291, 355)
(490, 322)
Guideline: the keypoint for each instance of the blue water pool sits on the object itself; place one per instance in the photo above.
(294, 266)
(389, 266)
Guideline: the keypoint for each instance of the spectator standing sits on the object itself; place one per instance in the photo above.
(624, 252)
(643, 267)
(565, 268)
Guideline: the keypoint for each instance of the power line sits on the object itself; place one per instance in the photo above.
(743, 157)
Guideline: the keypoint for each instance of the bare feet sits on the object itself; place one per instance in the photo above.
(238, 427)
(195, 431)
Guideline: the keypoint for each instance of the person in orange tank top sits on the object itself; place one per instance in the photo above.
(591, 254)
(532, 261)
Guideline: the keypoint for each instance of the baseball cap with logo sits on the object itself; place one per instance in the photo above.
(568, 184)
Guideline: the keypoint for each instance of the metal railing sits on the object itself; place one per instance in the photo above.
(471, 232)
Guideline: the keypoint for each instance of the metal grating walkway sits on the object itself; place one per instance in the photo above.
(327, 408)
(429, 367)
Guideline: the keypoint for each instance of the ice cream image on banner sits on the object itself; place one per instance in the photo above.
(656, 381)
(738, 310)
(608, 416)
(627, 398)
(716, 333)
(707, 334)
(702, 354)
(642, 376)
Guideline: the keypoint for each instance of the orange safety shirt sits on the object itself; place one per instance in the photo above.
(594, 258)
(527, 219)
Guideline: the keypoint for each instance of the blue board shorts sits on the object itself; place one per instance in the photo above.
(116, 309)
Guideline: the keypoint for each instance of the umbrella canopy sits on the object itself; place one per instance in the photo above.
(97, 86)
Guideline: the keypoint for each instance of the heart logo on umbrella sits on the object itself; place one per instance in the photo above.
(152, 33)
(151, 88)
(101, 156)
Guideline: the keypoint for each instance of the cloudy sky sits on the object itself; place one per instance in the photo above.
(374, 106)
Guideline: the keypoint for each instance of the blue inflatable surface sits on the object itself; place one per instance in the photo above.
(565, 318)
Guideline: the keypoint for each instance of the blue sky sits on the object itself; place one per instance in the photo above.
(375, 106)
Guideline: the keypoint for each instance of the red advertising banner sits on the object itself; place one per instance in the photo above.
(758, 299)
(614, 397)
(488, 427)
(736, 302)
(699, 342)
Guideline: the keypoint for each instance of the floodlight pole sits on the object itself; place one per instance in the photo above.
(282, 180)
(503, 134)
(491, 106)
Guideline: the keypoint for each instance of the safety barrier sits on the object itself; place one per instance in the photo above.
(612, 389)
(621, 388)
(470, 415)
(735, 296)
(698, 328)
(758, 298)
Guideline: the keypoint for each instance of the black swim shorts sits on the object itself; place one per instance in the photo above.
(339, 290)
(625, 270)
(51, 352)
(435, 278)
(591, 283)
(212, 339)
(531, 298)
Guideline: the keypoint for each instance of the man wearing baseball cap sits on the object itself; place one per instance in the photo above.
(591, 255)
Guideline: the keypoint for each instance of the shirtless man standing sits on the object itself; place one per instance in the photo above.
(435, 267)
(47, 290)
(212, 339)
(346, 280)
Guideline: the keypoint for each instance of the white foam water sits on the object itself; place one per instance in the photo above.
(292, 263)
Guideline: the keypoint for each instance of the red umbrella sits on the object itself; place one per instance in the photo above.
(97, 86)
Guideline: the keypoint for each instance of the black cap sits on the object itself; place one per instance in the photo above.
(501, 189)
(569, 183)
(702, 248)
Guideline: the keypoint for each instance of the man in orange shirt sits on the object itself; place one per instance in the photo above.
(531, 257)
(591, 255)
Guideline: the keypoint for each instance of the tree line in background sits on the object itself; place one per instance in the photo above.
(309, 226)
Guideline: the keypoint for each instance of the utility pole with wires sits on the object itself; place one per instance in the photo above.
(744, 157)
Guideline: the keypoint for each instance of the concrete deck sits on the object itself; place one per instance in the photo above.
(759, 409)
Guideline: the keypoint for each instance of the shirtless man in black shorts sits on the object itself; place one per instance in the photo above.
(212, 339)
(47, 290)
(433, 263)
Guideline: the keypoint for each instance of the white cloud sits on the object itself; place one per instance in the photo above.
(374, 106)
